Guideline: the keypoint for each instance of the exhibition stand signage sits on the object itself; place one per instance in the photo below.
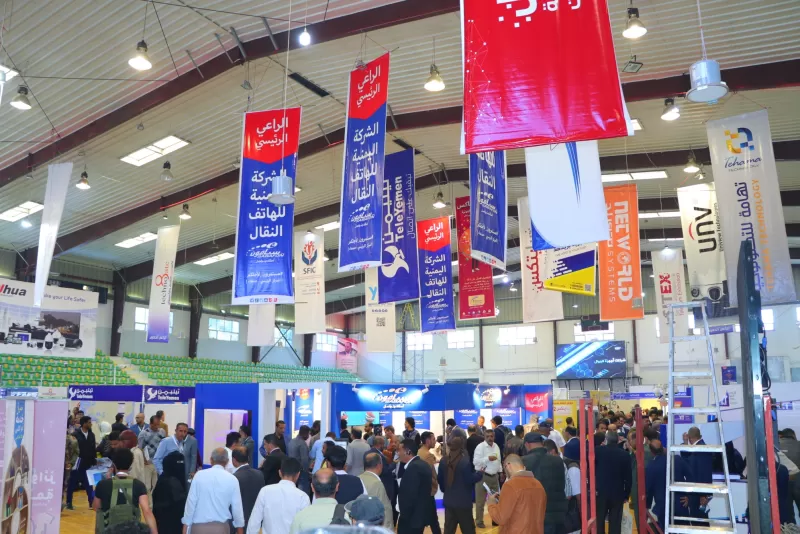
(160, 394)
(147, 394)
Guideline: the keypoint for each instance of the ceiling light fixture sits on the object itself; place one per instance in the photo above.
(658, 214)
(434, 83)
(333, 225)
(671, 111)
(21, 211)
(691, 165)
(705, 75)
(25, 223)
(166, 173)
(513, 287)
(574, 305)
(325, 257)
(662, 239)
(637, 125)
(185, 215)
(165, 216)
(438, 201)
(21, 101)
(649, 175)
(632, 66)
(83, 183)
(305, 38)
(214, 259)
(9, 73)
(634, 27)
(153, 151)
(282, 190)
(140, 61)
(138, 240)
(505, 278)
(701, 175)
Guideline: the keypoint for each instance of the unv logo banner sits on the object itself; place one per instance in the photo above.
(488, 207)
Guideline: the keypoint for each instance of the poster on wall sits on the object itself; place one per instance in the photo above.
(380, 318)
(538, 304)
(398, 276)
(488, 216)
(510, 416)
(670, 289)
(496, 397)
(435, 275)
(422, 418)
(571, 269)
(64, 325)
(562, 409)
(620, 260)
(303, 408)
(48, 467)
(465, 418)
(309, 282)
(17, 461)
(537, 406)
(262, 271)
(475, 283)
(748, 192)
(363, 166)
(161, 284)
(728, 375)
(347, 354)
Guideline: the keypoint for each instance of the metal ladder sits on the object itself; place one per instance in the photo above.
(711, 525)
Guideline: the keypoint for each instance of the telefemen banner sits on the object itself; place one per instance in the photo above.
(538, 303)
(488, 207)
(398, 275)
(475, 284)
(363, 167)
(161, 284)
(519, 96)
(263, 265)
(435, 275)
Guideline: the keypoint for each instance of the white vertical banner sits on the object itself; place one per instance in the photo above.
(750, 203)
(161, 284)
(670, 287)
(55, 195)
(261, 325)
(309, 282)
(538, 303)
(380, 317)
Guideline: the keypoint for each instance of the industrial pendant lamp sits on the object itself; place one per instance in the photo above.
(438, 201)
(434, 83)
(304, 38)
(671, 111)
(83, 183)
(634, 27)
(185, 215)
(705, 75)
(140, 61)
(166, 173)
(21, 101)
(691, 166)
(282, 190)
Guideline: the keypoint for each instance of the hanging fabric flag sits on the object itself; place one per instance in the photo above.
(620, 259)
(161, 284)
(746, 181)
(435, 275)
(380, 317)
(55, 195)
(538, 303)
(670, 287)
(565, 195)
(475, 285)
(571, 269)
(263, 265)
(309, 282)
(488, 193)
(363, 167)
(261, 325)
(519, 96)
(398, 275)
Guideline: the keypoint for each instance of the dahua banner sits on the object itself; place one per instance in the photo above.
(309, 282)
(380, 318)
(475, 284)
(488, 191)
(161, 284)
(670, 289)
(435, 275)
(538, 304)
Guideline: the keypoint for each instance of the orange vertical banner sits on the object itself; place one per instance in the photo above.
(620, 258)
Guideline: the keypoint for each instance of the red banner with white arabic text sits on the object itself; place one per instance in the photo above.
(475, 287)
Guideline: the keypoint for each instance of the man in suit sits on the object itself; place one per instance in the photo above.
(428, 443)
(371, 477)
(572, 449)
(472, 441)
(350, 486)
(700, 467)
(387, 474)
(613, 483)
(251, 480)
(190, 455)
(87, 458)
(272, 462)
(415, 490)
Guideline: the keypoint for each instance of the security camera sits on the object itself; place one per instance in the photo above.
(425, 390)
(355, 388)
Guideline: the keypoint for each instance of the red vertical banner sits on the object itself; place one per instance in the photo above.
(475, 287)
(538, 72)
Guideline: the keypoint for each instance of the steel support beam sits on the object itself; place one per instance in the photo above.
(195, 314)
(119, 288)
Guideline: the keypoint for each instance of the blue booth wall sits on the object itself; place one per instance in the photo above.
(226, 397)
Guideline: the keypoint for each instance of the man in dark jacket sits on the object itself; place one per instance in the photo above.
(87, 458)
(572, 449)
(549, 470)
(343, 432)
(656, 483)
(499, 431)
(613, 483)
(251, 480)
(414, 495)
(457, 481)
(472, 441)
(387, 474)
(700, 466)
(350, 486)
(272, 461)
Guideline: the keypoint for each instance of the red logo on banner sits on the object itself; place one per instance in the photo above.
(475, 286)
(270, 136)
(536, 402)
(369, 88)
(433, 234)
(538, 73)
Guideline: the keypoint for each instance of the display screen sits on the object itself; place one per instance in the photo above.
(593, 359)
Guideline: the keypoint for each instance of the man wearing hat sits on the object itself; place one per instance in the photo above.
(366, 511)
(549, 470)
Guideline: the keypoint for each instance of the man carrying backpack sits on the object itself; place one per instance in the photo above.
(122, 498)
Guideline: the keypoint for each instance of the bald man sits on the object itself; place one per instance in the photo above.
(324, 484)
(214, 499)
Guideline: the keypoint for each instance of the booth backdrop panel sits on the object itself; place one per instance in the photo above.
(537, 403)
(105, 393)
(17, 459)
(226, 397)
(48, 466)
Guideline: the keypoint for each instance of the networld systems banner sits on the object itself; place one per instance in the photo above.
(363, 166)
(488, 207)
(263, 264)
(161, 284)
(435, 275)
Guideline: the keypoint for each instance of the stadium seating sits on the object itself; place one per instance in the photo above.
(22, 370)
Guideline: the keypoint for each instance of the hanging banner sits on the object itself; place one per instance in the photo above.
(263, 265)
(435, 275)
(538, 304)
(261, 325)
(64, 325)
(55, 195)
(670, 288)
(17, 461)
(488, 191)
(48, 467)
(398, 276)
(161, 284)
(347, 354)
(309, 281)
(381, 322)
(620, 259)
(475, 283)
(303, 408)
(571, 269)
(363, 166)
(565, 195)
(535, 98)
(748, 192)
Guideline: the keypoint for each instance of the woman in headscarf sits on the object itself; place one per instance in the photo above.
(457, 480)
(169, 497)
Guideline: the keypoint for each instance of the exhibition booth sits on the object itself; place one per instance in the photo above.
(103, 403)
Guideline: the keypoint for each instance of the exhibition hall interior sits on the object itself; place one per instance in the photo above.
(551, 248)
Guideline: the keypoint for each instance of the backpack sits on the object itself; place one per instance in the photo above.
(118, 513)
(507, 433)
(338, 516)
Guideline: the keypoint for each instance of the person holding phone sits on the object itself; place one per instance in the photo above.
(487, 459)
(520, 507)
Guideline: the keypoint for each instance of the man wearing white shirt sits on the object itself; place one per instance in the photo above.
(231, 440)
(277, 504)
(546, 429)
(487, 459)
(214, 500)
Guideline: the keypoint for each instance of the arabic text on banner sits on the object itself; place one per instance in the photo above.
(347, 354)
(571, 269)
(55, 195)
(161, 284)
(263, 265)
(748, 192)
(363, 166)
(309, 282)
(435, 275)
(380, 318)
(475, 284)
(18, 451)
(48, 464)
(565, 195)
(535, 98)
(620, 259)
(488, 191)
(303, 408)
(538, 304)
(398, 276)
(261, 325)
(670, 287)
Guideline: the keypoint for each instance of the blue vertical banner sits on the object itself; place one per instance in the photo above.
(263, 264)
(398, 275)
(435, 275)
(464, 418)
(303, 408)
(363, 167)
(488, 191)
